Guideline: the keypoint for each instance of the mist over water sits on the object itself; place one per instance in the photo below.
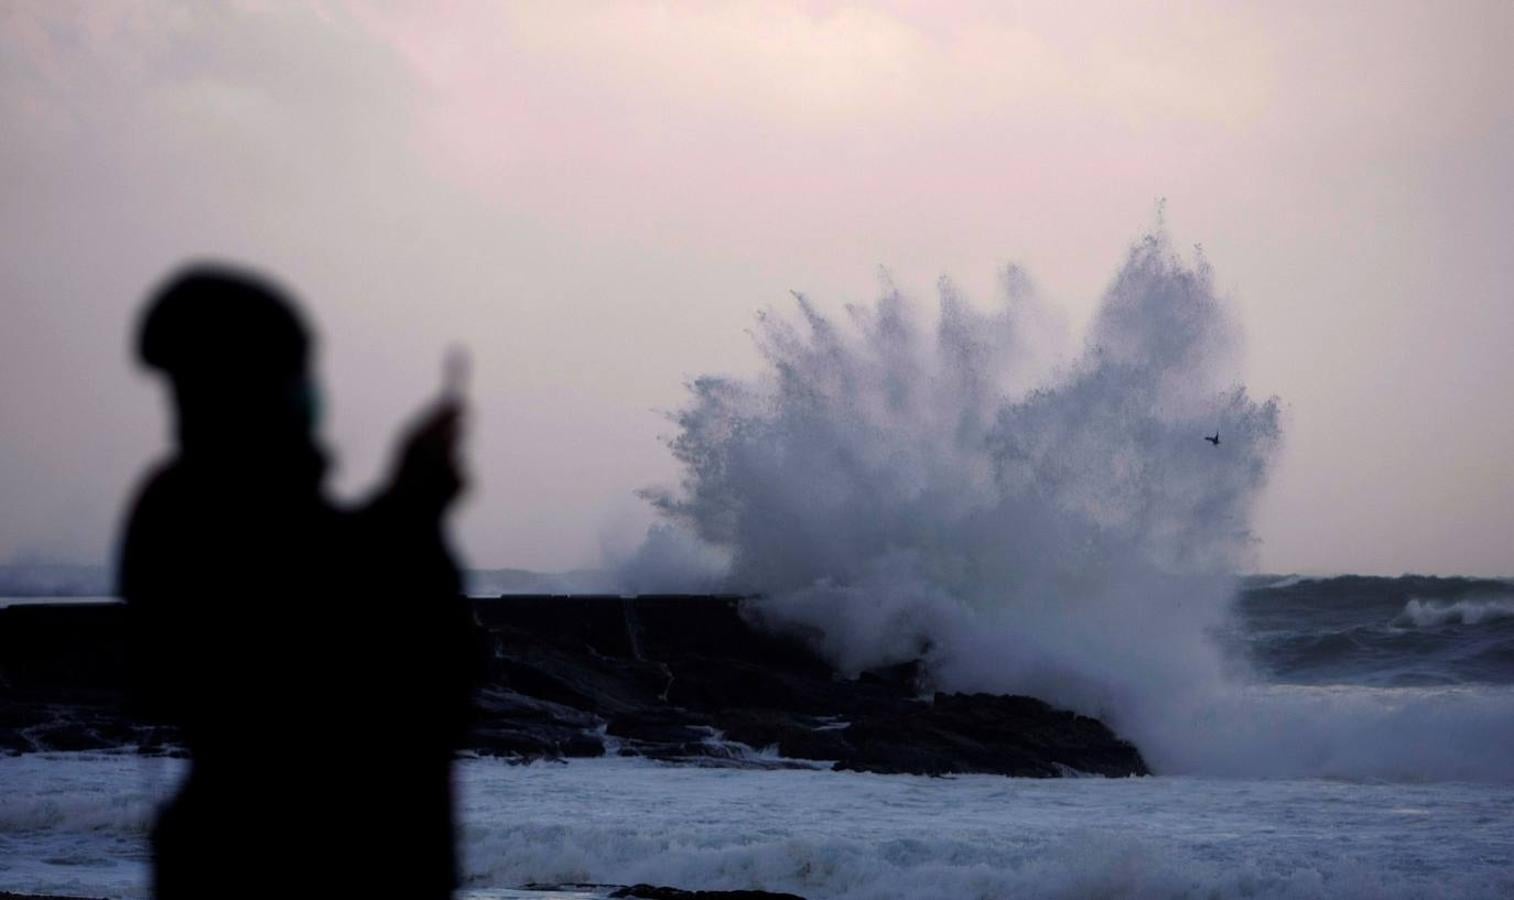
(1031, 517)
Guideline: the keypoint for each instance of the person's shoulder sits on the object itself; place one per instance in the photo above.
(152, 506)
(163, 484)
(164, 496)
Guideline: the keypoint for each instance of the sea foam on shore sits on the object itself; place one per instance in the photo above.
(75, 824)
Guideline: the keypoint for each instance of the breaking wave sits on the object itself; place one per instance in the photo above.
(961, 488)
(1429, 614)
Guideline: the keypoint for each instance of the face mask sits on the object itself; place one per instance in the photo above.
(308, 401)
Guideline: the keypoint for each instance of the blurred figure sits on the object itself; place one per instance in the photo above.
(318, 660)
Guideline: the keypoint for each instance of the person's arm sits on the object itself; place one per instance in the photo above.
(427, 477)
(439, 642)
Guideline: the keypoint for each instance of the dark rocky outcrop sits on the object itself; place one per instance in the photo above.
(677, 678)
(61, 673)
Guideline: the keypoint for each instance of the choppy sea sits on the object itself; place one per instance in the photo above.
(76, 823)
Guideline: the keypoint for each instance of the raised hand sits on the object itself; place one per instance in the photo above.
(429, 475)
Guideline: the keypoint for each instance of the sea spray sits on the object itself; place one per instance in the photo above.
(1028, 521)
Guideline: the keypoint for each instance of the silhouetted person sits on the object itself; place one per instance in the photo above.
(318, 660)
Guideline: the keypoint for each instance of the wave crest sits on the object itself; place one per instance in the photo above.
(1429, 614)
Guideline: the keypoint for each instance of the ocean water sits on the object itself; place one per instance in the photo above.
(75, 824)
(1410, 631)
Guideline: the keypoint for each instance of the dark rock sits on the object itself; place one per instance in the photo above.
(794, 736)
(75, 651)
(960, 733)
(662, 726)
(905, 676)
(515, 725)
(683, 679)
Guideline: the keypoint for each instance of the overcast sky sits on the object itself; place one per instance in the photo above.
(596, 199)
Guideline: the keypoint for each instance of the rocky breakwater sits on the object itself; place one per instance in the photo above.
(688, 679)
(692, 679)
(62, 681)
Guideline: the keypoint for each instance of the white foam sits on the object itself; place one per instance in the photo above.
(1287, 581)
(1428, 613)
(901, 488)
(850, 835)
(75, 824)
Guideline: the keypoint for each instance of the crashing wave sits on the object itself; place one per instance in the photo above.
(1023, 519)
(1428, 614)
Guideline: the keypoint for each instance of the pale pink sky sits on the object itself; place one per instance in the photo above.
(597, 197)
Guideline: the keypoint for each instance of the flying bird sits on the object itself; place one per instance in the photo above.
(1215, 440)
